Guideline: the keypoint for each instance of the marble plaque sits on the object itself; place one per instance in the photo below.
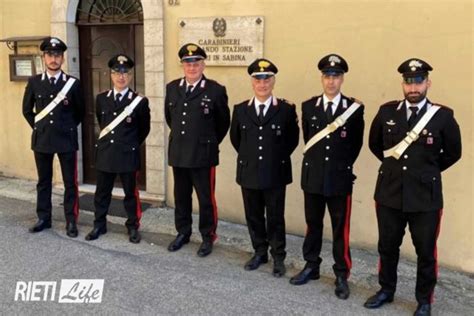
(228, 41)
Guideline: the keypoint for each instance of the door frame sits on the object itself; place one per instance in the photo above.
(63, 25)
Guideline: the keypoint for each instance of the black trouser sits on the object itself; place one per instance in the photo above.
(103, 195)
(203, 180)
(272, 231)
(340, 212)
(424, 228)
(44, 167)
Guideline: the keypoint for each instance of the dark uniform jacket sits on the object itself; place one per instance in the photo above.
(413, 182)
(327, 165)
(57, 131)
(198, 123)
(119, 150)
(264, 149)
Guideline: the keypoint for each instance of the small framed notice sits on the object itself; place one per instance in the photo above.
(24, 66)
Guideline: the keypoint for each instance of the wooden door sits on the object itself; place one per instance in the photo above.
(98, 43)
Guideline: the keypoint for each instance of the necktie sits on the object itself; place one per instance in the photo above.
(189, 89)
(412, 118)
(117, 98)
(52, 81)
(260, 113)
(329, 112)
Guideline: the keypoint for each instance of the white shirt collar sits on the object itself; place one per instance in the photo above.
(419, 105)
(122, 93)
(335, 101)
(267, 103)
(193, 84)
(57, 75)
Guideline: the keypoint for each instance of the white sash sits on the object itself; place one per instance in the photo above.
(338, 122)
(398, 150)
(59, 97)
(126, 112)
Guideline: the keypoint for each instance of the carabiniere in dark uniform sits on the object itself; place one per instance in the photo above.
(408, 189)
(197, 114)
(118, 151)
(55, 133)
(327, 173)
(264, 142)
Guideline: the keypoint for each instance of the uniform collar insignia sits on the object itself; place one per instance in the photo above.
(43, 76)
(400, 105)
(250, 101)
(203, 83)
(275, 101)
(344, 103)
(181, 82)
(108, 94)
(130, 94)
(64, 77)
(318, 102)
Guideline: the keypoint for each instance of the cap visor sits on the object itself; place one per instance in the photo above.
(121, 69)
(191, 59)
(262, 75)
(55, 52)
(332, 72)
(416, 79)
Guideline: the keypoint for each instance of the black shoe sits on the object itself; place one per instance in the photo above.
(305, 275)
(39, 226)
(71, 230)
(423, 310)
(342, 288)
(96, 232)
(279, 269)
(378, 299)
(179, 242)
(255, 262)
(205, 249)
(135, 236)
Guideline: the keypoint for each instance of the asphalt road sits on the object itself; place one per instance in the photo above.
(146, 279)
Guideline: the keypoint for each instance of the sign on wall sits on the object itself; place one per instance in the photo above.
(228, 41)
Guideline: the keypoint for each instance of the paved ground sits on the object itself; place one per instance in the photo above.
(147, 279)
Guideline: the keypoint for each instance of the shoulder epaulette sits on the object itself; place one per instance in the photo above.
(355, 100)
(392, 103)
(246, 102)
(442, 106)
(286, 101)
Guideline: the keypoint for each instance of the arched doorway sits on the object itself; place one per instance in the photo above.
(107, 28)
(64, 25)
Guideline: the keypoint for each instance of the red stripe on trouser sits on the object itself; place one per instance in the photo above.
(138, 209)
(75, 207)
(436, 251)
(379, 265)
(213, 201)
(347, 228)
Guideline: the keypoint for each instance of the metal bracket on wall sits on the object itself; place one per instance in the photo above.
(12, 42)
